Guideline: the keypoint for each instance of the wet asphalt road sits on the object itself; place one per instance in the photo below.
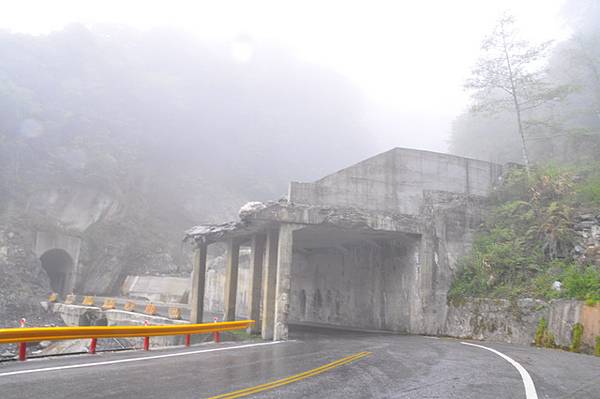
(399, 367)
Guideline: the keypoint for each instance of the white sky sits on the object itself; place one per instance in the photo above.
(409, 57)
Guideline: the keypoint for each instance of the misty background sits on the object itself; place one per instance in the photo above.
(137, 122)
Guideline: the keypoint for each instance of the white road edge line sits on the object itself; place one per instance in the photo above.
(530, 392)
(135, 359)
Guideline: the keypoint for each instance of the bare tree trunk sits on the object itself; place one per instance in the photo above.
(522, 134)
(513, 92)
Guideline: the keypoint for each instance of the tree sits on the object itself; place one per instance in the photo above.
(510, 76)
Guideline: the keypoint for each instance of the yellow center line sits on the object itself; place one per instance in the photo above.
(293, 378)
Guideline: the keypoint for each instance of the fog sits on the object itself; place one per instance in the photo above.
(123, 124)
(406, 60)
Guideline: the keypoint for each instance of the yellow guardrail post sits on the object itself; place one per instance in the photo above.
(150, 309)
(70, 299)
(175, 313)
(109, 303)
(88, 301)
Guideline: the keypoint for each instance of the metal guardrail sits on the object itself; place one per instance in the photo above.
(34, 334)
(23, 335)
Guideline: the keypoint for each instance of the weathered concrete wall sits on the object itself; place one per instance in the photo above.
(123, 318)
(561, 319)
(517, 321)
(157, 288)
(498, 320)
(443, 196)
(366, 285)
(175, 289)
(45, 241)
(590, 319)
(215, 285)
(394, 181)
(369, 285)
(449, 222)
(564, 314)
(78, 315)
(423, 205)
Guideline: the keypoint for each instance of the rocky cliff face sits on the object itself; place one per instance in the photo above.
(587, 227)
(22, 281)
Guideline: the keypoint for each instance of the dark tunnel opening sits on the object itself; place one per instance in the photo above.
(58, 264)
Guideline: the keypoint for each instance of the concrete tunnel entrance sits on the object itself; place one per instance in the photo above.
(59, 266)
(372, 246)
(362, 279)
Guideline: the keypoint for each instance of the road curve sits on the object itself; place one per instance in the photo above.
(398, 367)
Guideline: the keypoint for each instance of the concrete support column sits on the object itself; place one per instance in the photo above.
(283, 288)
(72, 278)
(422, 303)
(198, 283)
(269, 285)
(231, 279)
(70, 282)
(256, 266)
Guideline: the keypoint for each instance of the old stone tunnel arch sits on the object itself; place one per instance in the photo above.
(59, 266)
(59, 256)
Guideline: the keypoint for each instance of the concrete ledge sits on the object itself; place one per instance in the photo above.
(117, 317)
(344, 328)
(78, 315)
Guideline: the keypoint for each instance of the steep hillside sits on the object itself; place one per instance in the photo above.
(541, 238)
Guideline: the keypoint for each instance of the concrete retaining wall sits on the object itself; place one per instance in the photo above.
(516, 322)
(123, 318)
(394, 181)
(496, 320)
(78, 315)
(564, 314)
(157, 288)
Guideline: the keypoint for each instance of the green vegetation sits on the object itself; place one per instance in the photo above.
(526, 242)
(243, 335)
(539, 332)
(543, 337)
(589, 190)
(576, 336)
(597, 349)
